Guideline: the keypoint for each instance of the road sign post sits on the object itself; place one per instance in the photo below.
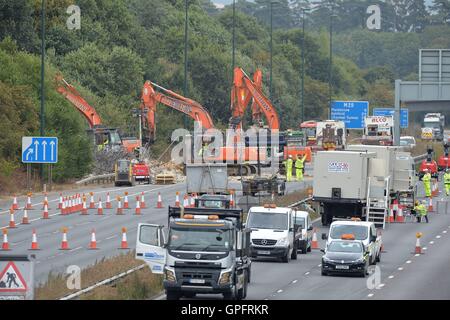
(352, 113)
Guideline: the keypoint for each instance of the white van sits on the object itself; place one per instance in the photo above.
(304, 222)
(362, 230)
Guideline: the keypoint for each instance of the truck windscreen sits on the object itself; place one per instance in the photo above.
(360, 232)
(200, 239)
(430, 124)
(268, 220)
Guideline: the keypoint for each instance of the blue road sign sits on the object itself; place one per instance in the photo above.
(39, 150)
(351, 112)
(390, 112)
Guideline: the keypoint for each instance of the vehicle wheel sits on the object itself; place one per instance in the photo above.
(294, 253)
(228, 296)
(324, 273)
(171, 295)
(189, 294)
(378, 258)
(309, 248)
(286, 257)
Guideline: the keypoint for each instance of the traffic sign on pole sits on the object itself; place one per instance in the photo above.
(390, 112)
(351, 112)
(39, 150)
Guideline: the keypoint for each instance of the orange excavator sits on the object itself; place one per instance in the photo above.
(104, 138)
(150, 98)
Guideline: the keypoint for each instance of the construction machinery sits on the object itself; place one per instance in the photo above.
(444, 161)
(123, 173)
(430, 164)
(378, 130)
(324, 134)
(102, 136)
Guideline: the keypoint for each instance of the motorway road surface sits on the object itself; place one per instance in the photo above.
(108, 227)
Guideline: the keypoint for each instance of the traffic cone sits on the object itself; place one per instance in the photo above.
(28, 206)
(108, 201)
(185, 201)
(25, 217)
(93, 244)
(138, 207)
(5, 245)
(15, 205)
(100, 207)
(400, 217)
(177, 199)
(124, 243)
(314, 242)
(45, 213)
(119, 206)
(84, 210)
(418, 249)
(63, 208)
(92, 203)
(125, 201)
(143, 206)
(391, 212)
(12, 223)
(60, 201)
(34, 243)
(430, 204)
(192, 201)
(64, 243)
(231, 200)
(159, 204)
(45, 202)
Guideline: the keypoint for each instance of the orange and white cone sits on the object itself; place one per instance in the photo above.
(192, 205)
(418, 249)
(28, 206)
(25, 217)
(63, 208)
(119, 206)
(400, 217)
(12, 223)
(34, 242)
(159, 204)
(93, 244)
(177, 199)
(45, 202)
(84, 210)
(100, 207)
(125, 201)
(186, 201)
(64, 242)
(108, 201)
(5, 245)
(138, 207)
(231, 200)
(391, 212)
(15, 205)
(124, 243)
(60, 201)
(430, 204)
(92, 203)
(143, 205)
(45, 213)
(314, 242)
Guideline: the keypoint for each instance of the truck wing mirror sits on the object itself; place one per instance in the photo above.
(310, 228)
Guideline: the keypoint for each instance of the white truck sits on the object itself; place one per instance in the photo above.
(378, 130)
(344, 181)
(433, 127)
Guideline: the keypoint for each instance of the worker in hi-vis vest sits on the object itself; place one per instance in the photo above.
(288, 165)
(447, 181)
(299, 165)
(427, 183)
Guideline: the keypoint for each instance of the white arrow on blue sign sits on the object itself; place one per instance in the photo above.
(39, 149)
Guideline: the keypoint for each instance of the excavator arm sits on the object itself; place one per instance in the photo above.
(245, 89)
(150, 98)
(71, 94)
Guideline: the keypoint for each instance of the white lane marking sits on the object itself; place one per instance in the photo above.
(381, 285)
(78, 248)
(280, 291)
(445, 231)
(391, 277)
(307, 273)
(400, 269)
(424, 248)
(16, 243)
(417, 255)
(370, 295)
(438, 237)
(409, 261)
(319, 265)
(295, 281)
(112, 237)
(431, 242)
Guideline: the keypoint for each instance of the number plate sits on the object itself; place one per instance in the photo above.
(342, 267)
(263, 252)
(197, 281)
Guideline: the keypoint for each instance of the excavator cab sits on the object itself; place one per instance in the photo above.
(123, 171)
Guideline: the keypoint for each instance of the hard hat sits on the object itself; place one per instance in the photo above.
(290, 156)
(425, 170)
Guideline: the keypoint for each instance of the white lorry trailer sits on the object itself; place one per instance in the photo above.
(362, 182)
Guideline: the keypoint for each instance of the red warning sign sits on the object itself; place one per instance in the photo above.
(11, 279)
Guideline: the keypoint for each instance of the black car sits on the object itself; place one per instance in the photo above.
(345, 256)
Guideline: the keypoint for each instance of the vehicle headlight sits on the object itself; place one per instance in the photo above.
(360, 260)
(283, 241)
(225, 278)
(325, 259)
(169, 275)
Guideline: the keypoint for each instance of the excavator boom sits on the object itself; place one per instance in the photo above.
(71, 94)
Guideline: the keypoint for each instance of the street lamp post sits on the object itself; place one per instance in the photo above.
(185, 91)
(271, 48)
(233, 63)
(42, 111)
(302, 107)
(330, 70)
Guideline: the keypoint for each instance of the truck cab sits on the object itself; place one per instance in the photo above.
(206, 251)
(378, 130)
(433, 126)
(363, 231)
(274, 233)
(123, 173)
